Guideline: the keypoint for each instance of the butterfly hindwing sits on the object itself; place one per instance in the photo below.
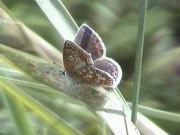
(90, 41)
(94, 76)
(110, 66)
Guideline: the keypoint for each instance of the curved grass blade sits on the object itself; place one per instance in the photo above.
(59, 17)
(147, 127)
(23, 35)
(159, 113)
(17, 111)
(58, 103)
(50, 117)
(33, 66)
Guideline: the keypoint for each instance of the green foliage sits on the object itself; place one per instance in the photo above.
(116, 22)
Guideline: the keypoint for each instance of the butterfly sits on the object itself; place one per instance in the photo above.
(85, 60)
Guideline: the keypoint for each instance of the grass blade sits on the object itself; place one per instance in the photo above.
(37, 68)
(51, 118)
(26, 37)
(59, 17)
(138, 60)
(18, 114)
(159, 113)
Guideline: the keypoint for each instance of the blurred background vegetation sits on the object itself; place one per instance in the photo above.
(116, 22)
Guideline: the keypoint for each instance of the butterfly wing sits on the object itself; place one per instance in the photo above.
(90, 41)
(95, 76)
(75, 57)
(79, 65)
(110, 66)
(85, 59)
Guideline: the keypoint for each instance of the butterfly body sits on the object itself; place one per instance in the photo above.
(85, 61)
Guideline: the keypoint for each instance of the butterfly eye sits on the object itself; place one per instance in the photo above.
(62, 72)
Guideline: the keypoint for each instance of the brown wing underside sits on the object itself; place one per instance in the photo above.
(94, 76)
(110, 66)
(75, 57)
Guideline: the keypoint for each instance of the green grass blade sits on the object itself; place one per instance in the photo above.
(59, 17)
(22, 33)
(50, 117)
(18, 114)
(159, 113)
(39, 69)
(138, 60)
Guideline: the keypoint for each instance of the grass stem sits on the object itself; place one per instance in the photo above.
(138, 59)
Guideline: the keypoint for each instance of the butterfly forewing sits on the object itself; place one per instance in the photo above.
(75, 57)
(90, 41)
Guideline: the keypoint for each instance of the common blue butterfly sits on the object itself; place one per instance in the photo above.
(85, 61)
